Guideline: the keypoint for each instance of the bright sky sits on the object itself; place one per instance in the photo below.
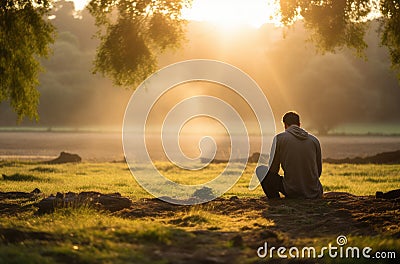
(232, 12)
(226, 13)
(79, 4)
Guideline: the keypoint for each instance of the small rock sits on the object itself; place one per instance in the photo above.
(65, 157)
(234, 198)
(36, 191)
(204, 193)
(393, 194)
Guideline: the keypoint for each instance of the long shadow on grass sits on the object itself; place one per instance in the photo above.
(45, 170)
(340, 214)
(300, 219)
(20, 177)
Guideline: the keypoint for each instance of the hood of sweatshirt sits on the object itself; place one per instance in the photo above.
(298, 132)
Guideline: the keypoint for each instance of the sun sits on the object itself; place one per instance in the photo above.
(79, 4)
(232, 13)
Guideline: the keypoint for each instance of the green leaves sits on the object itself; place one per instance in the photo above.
(390, 35)
(343, 23)
(25, 35)
(132, 34)
(333, 24)
(124, 55)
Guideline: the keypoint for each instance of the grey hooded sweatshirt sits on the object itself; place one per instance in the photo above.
(299, 154)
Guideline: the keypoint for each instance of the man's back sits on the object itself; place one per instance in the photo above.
(299, 153)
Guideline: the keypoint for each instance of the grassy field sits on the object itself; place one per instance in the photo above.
(228, 230)
(116, 177)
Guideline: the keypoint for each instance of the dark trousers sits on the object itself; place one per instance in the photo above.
(272, 183)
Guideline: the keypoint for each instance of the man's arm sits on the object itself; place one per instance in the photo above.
(274, 160)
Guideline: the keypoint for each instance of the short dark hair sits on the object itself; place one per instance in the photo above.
(291, 118)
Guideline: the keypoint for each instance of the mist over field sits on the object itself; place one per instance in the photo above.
(328, 90)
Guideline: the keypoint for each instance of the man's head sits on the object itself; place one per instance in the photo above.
(291, 118)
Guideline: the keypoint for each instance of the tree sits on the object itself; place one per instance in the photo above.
(132, 34)
(25, 36)
(335, 24)
(391, 31)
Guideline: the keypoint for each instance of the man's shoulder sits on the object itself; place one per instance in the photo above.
(281, 135)
(314, 138)
(286, 134)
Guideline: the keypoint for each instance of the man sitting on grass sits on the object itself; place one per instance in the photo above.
(299, 154)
